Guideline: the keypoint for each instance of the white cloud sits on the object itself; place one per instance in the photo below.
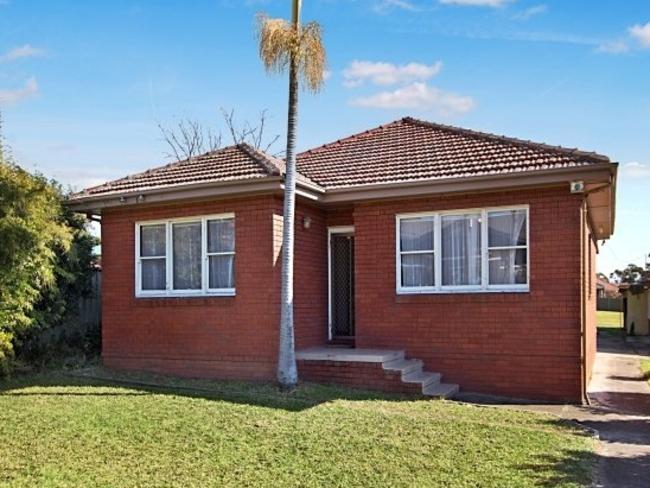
(476, 3)
(384, 6)
(26, 51)
(636, 170)
(418, 96)
(29, 89)
(641, 33)
(388, 74)
(327, 74)
(530, 12)
(613, 47)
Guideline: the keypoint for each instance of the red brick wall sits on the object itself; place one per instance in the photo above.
(369, 376)
(515, 344)
(229, 337)
(525, 344)
(310, 276)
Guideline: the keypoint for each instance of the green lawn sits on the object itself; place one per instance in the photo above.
(58, 431)
(609, 320)
(645, 369)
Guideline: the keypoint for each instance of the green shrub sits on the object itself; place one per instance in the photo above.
(6, 354)
(46, 253)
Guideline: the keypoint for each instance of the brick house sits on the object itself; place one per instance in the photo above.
(422, 252)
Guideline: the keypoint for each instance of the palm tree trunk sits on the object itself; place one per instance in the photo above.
(287, 370)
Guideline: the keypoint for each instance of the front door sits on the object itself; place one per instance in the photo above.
(341, 292)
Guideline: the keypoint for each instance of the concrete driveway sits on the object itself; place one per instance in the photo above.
(620, 412)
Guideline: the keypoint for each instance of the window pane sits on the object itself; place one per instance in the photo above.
(461, 250)
(187, 255)
(152, 240)
(508, 267)
(153, 273)
(416, 234)
(507, 228)
(222, 271)
(221, 235)
(417, 270)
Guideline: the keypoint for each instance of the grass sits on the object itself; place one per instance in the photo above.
(58, 431)
(609, 321)
(645, 369)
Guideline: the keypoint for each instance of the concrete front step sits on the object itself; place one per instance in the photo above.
(441, 390)
(349, 355)
(422, 377)
(405, 366)
(411, 375)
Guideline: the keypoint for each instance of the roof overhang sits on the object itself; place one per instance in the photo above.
(94, 204)
(599, 191)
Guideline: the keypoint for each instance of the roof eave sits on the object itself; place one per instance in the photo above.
(601, 173)
(96, 203)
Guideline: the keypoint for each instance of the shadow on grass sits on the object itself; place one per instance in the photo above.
(572, 468)
(626, 465)
(305, 396)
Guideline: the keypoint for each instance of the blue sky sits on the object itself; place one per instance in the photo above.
(83, 85)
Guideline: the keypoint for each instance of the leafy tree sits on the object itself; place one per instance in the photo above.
(44, 255)
(638, 277)
(290, 46)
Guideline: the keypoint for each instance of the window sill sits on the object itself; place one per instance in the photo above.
(171, 294)
(462, 291)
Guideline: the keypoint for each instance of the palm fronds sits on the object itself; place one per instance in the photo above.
(280, 43)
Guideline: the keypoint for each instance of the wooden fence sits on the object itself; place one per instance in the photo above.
(90, 307)
(610, 304)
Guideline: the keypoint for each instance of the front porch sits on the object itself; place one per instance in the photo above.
(373, 369)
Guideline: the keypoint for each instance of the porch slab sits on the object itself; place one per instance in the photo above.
(344, 354)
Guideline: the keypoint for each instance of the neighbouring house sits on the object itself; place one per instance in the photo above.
(427, 257)
(636, 309)
(606, 289)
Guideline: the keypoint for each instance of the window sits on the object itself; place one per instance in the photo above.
(461, 250)
(474, 250)
(186, 257)
(508, 247)
(417, 252)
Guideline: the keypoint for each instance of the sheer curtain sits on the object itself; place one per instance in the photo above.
(461, 250)
(153, 268)
(417, 251)
(186, 241)
(507, 243)
(221, 253)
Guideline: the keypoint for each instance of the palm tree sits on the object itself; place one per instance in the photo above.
(299, 48)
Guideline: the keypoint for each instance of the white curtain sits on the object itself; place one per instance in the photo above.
(153, 268)
(461, 250)
(221, 235)
(417, 246)
(186, 241)
(507, 231)
(154, 274)
(221, 267)
(222, 271)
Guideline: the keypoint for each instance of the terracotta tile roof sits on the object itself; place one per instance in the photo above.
(411, 150)
(402, 151)
(232, 163)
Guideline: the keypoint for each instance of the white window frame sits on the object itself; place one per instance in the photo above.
(169, 259)
(484, 287)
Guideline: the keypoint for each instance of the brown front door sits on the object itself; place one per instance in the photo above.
(341, 293)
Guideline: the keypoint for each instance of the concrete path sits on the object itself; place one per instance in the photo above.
(621, 413)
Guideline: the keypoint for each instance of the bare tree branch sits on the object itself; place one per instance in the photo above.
(189, 138)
